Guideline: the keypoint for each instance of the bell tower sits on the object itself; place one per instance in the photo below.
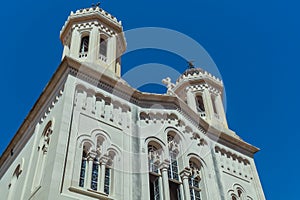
(203, 93)
(94, 37)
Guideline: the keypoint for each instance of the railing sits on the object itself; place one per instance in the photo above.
(103, 58)
(202, 114)
(83, 55)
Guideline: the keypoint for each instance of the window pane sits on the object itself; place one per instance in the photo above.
(94, 182)
(103, 47)
(107, 180)
(82, 173)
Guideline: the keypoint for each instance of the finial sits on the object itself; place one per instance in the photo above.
(96, 5)
(191, 64)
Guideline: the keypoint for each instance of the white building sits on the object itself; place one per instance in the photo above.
(92, 136)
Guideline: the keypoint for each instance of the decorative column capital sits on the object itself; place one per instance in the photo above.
(164, 165)
(104, 159)
(185, 173)
(92, 155)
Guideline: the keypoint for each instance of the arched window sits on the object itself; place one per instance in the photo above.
(237, 193)
(154, 161)
(173, 168)
(107, 178)
(200, 105)
(83, 167)
(103, 48)
(194, 180)
(97, 163)
(213, 100)
(84, 164)
(153, 158)
(108, 171)
(42, 154)
(84, 46)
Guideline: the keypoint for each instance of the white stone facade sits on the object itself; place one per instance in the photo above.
(92, 136)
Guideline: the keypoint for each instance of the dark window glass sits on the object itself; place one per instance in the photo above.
(103, 47)
(82, 169)
(84, 46)
(200, 103)
(94, 182)
(154, 187)
(107, 180)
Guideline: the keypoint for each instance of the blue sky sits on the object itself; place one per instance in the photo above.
(255, 45)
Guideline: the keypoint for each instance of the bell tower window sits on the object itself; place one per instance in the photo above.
(84, 47)
(213, 99)
(200, 105)
(103, 49)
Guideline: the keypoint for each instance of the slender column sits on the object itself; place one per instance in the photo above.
(101, 180)
(90, 160)
(165, 179)
(94, 44)
(161, 189)
(185, 181)
(111, 53)
(75, 43)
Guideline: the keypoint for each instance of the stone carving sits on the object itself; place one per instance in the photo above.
(169, 84)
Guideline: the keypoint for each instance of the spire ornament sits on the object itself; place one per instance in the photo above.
(96, 5)
(191, 64)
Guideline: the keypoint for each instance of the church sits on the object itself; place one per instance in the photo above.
(90, 135)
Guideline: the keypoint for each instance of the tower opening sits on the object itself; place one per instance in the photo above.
(200, 103)
(84, 47)
(103, 49)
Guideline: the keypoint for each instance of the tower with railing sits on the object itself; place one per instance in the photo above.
(95, 37)
(203, 93)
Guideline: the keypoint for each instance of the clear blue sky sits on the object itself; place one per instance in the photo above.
(254, 43)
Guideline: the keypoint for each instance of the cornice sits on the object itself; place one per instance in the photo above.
(124, 91)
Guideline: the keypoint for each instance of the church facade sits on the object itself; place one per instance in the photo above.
(90, 135)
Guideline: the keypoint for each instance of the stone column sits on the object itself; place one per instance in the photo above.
(75, 43)
(111, 53)
(184, 174)
(103, 161)
(165, 179)
(91, 157)
(94, 44)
